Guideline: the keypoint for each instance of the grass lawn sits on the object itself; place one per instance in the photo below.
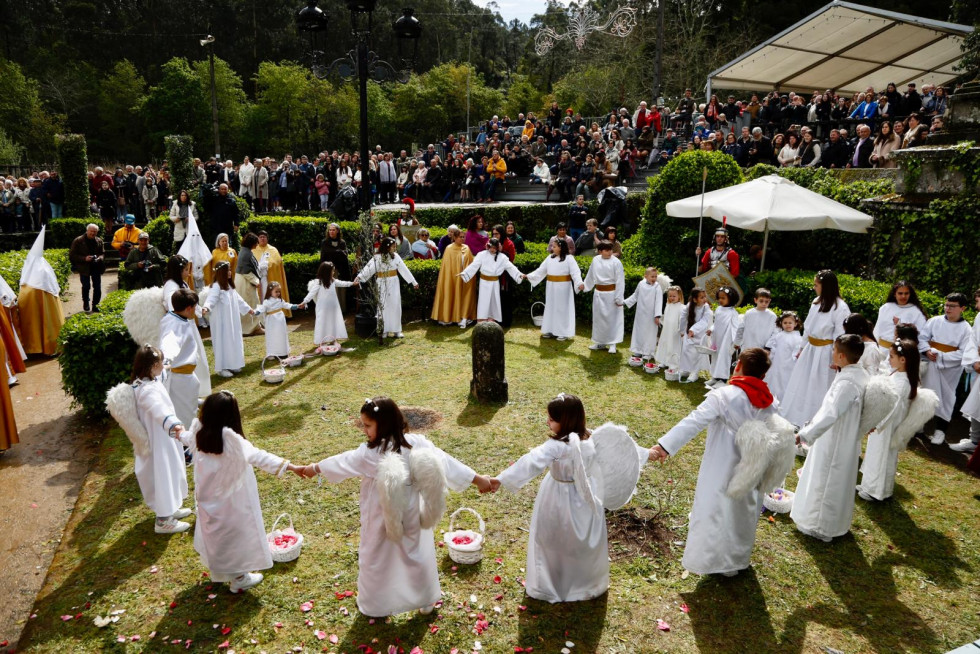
(904, 580)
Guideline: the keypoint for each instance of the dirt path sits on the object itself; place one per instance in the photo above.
(41, 478)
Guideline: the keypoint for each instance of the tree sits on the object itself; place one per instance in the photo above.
(23, 115)
(522, 97)
(232, 105)
(73, 163)
(120, 122)
(10, 152)
(176, 105)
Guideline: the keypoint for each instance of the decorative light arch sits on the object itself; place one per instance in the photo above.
(583, 22)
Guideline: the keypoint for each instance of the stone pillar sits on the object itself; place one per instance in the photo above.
(489, 384)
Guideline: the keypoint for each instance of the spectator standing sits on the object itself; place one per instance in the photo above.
(578, 213)
(885, 143)
(224, 214)
(105, 199)
(862, 151)
(179, 213)
(87, 255)
(150, 195)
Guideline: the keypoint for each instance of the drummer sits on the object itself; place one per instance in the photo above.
(722, 252)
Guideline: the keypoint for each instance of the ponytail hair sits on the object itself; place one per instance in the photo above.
(908, 349)
(692, 306)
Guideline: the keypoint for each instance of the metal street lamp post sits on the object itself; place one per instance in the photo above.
(209, 40)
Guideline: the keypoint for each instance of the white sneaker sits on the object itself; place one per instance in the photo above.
(171, 526)
(865, 496)
(597, 346)
(426, 610)
(225, 373)
(182, 513)
(693, 377)
(399, 335)
(12, 381)
(938, 437)
(246, 581)
(965, 445)
(462, 323)
(562, 338)
(612, 349)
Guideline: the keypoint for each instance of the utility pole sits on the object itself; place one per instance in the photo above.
(658, 81)
(214, 95)
(469, 69)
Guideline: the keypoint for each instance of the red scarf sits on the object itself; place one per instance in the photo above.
(758, 391)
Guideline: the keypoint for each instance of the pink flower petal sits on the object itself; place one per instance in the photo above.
(497, 579)
(417, 650)
(306, 607)
(685, 608)
(66, 618)
(333, 638)
(320, 634)
(224, 645)
(662, 626)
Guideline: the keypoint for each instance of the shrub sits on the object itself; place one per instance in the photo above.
(204, 219)
(115, 301)
(62, 231)
(73, 164)
(96, 354)
(24, 241)
(11, 264)
(180, 159)
(161, 231)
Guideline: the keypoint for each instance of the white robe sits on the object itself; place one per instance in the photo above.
(727, 324)
(692, 361)
(567, 549)
(943, 375)
(872, 358)
(559, 297)
(649, 301)
(230, 533)
(488, 300)
(669, 345)
(607, 306)
(393, 577)
(880, 458)
(185, 388)
(389, 289)
(276, 334)
(812, 373)
(162, 474)
(782, 346)
(971, 406)
(884, 329)
(722, 529)
(756, 329)
(329, 326)
(824, 502)
(226, 327)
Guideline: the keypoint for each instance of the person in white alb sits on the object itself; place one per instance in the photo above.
(759, 324)
(648, 298)
(608, 279)
(491, 264)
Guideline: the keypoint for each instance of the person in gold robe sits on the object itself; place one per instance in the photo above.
(275, 271)
(8, 426)
(8, 331)
(455, 300)
(221, 252)
(39, 302)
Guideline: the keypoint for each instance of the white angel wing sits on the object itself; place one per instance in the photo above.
(617, 463)
(429, 479)
(121, 403)
(391, 481)
(921, 410)
(880, 398)
(664, 282)
(143, 313)
(580, 475)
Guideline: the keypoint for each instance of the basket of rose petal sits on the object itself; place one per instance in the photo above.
(465, 545)
(284, 544)
(779, 501)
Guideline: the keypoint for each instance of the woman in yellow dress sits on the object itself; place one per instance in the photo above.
(221, 253)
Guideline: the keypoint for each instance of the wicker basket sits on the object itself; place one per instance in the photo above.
(467, 553)
(274, 375)
(537, 320)
(672, 375)
(289, 553)
(294, 361)
(781, 504)
(705, 349)
(330, 350)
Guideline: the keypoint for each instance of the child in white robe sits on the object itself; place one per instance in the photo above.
(564, 281)
(694, 329)
(161, 470)
(224, 306)
(396, 557)
(567, 549)
(189, 364)
(178, 276)
(669, 346)
(607, 277)
(648, 297)
(387, 265)
(783, 346)
(322, 291)
(902, 306)
(230, 534)
(971, 406)
(491, 264)
(727, 322)
(812, 373)
(824, 502)
(872, 358)
(951, 350)
(758, 324)
(276, 334)
(722, 527)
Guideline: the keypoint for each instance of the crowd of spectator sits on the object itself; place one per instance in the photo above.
(28, 202)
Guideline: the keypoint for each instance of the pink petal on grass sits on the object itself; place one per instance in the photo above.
(320, 634)
(66, 618)
(497, 579)
(662, 626)
(685, 608)
(333, 638)
(224, 645)
(306, 607)
(417, 650)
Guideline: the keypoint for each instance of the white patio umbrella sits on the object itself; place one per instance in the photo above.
(772, 202)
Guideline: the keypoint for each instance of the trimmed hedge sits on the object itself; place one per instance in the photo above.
(180, 159)
(65, 230)
(24, 241)
(73, 164)
(96, 353)
(11, 264)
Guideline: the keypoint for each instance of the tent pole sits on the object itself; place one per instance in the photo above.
(697, 257)
(765, 245)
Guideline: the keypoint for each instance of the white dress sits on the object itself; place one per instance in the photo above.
(393, 577)
(943, 375)
(669, 345)
(782, 346)
(692, 361)
(971, 406)
(169, 288)
(567, 550)
(873, 357)
(329, 326)
(388, 269)
(230, 533)
(884, 330)
(490, 265)
(726, 327)
(185, 388)
(812, 373)
(722, 529)
(756, 329)
(559, 298)
(276, 334)
(880, 458)
(607, 306)
(824, 502)
(226, 327)
(649, 301)
(162, 474)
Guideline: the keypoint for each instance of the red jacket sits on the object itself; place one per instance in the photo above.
(733, 262)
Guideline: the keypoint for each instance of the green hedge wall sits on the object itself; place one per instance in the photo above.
(11, 264)
(73, 164)
(65, 230)
(96, 353)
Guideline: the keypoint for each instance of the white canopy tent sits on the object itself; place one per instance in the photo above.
(772, 202)
(848, 47)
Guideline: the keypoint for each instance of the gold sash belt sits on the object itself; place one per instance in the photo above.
(605, 287)
(184, 370)
(389, 273)
(819, 342)
(559, 278)
(489, 278)
(942, 347)
(883, 343)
